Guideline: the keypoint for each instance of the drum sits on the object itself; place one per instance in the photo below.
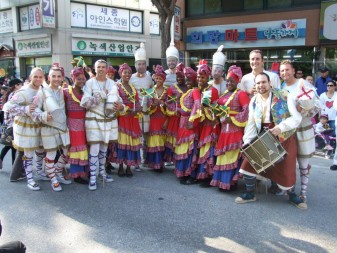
(264, 151)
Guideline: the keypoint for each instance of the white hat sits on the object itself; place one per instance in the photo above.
(172, 51)
(219, 58)
(140, 53)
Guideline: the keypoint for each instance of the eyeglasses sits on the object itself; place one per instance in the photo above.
(299, 73)
(330, 85)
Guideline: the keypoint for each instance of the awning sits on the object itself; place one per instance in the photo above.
(6, 47)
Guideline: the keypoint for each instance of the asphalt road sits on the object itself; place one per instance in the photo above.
(154, 213)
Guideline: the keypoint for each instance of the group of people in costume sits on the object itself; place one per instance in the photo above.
(183, 118)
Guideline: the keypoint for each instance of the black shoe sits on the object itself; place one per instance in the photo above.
(80, 180)
(333, 167)
(189, 181)
(18, 179)
(206, 183)
(109, 168)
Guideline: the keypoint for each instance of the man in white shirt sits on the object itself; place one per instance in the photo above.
(256, 63)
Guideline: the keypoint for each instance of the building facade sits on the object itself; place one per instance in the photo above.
(39, 33)
(286, 29)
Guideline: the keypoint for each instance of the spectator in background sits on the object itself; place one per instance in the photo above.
(310, 79)
(321, 82)
(327, 98)
(299, 74)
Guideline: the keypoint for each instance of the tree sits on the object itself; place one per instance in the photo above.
(166, 12)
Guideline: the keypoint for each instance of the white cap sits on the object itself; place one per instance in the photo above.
(140, 54)
(172, 51)
(219, 58)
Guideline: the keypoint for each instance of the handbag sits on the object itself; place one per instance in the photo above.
(7, 136)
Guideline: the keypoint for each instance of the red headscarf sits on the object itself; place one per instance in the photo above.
(122, 67)
(57, 65)
(204, 69)
(111, 70)
(180, 70)
(190, 73)
(234, 72)
(160, 72)
(75, 72)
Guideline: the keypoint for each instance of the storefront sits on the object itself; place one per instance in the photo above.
(328, 37)
(280, 40)
(7, 66)
(34, 52)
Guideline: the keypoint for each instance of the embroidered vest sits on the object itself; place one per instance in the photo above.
(279, 112)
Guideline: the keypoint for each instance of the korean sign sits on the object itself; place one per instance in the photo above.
(108, 18)
(86, 46)
(262, 34)
(38, 46)
(177, 24)
(30, 17)
(6, 21)
(48, 13)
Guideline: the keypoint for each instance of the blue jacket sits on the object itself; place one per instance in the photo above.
(321, 84)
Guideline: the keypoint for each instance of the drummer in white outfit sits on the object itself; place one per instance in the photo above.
(305, 131)
(141, 81)
(100, 122)
(54, 132)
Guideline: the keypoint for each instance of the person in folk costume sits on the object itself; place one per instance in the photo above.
(187, 139)
(127, 150)
(233, 114)
(308, 105)
(27, 133)
(174, 93)
(158, 120)
(275, 110)
(141, 81)
(208, 131)
(54, 132)
(218, 64)
(110, 73)
(100, 122)
(78, 151)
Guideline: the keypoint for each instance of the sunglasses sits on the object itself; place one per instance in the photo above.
(330, 85)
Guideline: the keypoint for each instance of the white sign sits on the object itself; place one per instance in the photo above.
(30, 17)
(279, 33)
(34, 17)
(6, 21)
(77, 15)
(177, 23)
(24, 17)
(88, 46)
(39, 46)
(154, 23)
(100, 17)
(48, 13)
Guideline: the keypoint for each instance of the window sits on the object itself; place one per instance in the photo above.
(195, 7)
(253, 4)
(279, 4)
(213, 6)
(232, 6)
(305, 2)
